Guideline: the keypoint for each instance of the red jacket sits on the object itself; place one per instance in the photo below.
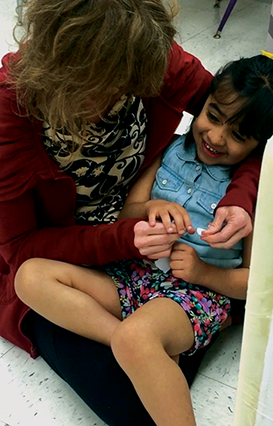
(37, 199)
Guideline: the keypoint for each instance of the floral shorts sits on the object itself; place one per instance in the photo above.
(139, 281)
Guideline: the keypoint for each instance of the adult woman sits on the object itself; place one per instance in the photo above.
(82, 60)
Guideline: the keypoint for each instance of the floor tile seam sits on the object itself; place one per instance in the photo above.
(241, 12)
(5, 353)
(212, 26)
(218, 381)
(236, 11)
(215, 24)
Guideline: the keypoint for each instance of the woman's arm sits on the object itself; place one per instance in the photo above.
(237, 207)
(22, 237)
(242, 191)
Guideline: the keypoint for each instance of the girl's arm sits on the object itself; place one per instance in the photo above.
(138, 204)
(154, 239)
(140, 193)
(186, 264)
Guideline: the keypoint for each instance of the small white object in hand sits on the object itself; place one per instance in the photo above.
(163, 264)
(200, 230)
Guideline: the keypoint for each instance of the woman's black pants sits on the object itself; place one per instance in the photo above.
(91, 370)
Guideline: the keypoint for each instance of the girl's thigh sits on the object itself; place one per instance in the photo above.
(46, 273)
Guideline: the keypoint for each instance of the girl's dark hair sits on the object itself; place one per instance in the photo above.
(248, 83)
(77, 55)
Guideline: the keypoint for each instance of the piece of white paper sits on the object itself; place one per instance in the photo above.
(163, 264)
(200, 230)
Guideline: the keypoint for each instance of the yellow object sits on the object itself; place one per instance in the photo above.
(268, 54)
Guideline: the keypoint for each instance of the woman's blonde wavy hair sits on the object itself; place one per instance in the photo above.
(77, 55)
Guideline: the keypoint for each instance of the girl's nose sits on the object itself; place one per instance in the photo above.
(216, 136)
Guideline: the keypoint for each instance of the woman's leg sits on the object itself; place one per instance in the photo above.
(90, 369)
(78, 299)
(93, 373)
(143, 345)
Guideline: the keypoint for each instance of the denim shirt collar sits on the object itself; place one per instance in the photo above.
(217, 172)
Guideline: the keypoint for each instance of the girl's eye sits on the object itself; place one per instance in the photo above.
(238, 137)
(212, 117)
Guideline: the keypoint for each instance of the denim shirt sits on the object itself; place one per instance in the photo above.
(197, 187)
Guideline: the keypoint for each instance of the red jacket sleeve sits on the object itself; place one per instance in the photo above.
(242, 191)
(21, 238)
(186, 82)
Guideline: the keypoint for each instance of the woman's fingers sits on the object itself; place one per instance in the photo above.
(238, 225)
(154, 241)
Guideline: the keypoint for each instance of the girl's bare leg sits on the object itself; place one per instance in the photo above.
(143, 344)
(79, 299)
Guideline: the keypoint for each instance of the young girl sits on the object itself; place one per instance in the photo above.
(237, 119)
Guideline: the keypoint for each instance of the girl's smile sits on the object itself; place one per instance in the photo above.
(210, 151)
(218, 141)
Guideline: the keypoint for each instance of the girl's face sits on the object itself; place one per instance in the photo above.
(218, 142)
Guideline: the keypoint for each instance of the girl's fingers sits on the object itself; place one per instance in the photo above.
(167, 221)
(178, 247)
(187, 221)
(152, 219)
(165, 216)
(173, 216)
(179, 222)
(175, 265)
(178, 215)
(143, 228)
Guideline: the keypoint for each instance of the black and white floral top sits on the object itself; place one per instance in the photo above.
(102, 160)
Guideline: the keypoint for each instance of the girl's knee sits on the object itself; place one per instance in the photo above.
(131, 341)
(122, 338)
(27, 276)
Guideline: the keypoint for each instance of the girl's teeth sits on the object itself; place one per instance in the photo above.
(210, 149)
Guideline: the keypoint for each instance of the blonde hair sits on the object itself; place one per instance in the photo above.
(77, 55)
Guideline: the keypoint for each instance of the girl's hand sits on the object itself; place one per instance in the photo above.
(186, 264)
(172, 215)
(154, 241)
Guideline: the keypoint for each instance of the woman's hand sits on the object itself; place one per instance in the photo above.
(172, 215)
(154, 241)
(238, 226)
(186, 264)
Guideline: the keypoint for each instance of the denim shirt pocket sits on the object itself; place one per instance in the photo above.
(208, 202)
(167, 184)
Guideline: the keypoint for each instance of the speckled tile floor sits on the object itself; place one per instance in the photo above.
(31, 394)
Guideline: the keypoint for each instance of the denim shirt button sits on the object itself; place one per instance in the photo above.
(189, 190)
(198, 168)
(164, 181)
(213, 205)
